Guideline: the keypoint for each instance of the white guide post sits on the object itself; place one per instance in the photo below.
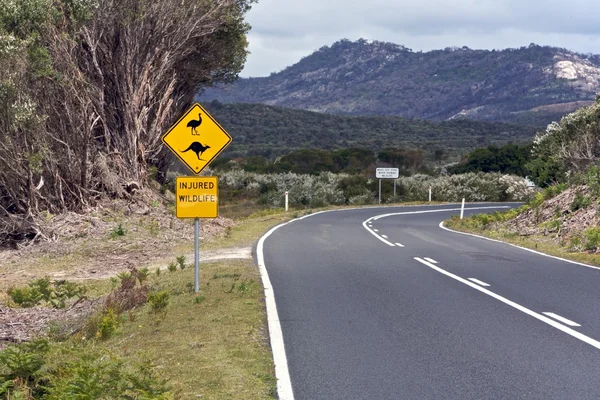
(430, 193)
(286, 201)
(462, 208)
(380, 191)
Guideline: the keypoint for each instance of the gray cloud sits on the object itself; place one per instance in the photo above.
(283, 31)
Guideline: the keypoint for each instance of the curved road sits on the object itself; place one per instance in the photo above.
(382, 303)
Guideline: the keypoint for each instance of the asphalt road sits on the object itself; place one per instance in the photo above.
(395, 307)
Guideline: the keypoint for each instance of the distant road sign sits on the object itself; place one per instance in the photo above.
(196, 139)
(387, 173)
(197, 197)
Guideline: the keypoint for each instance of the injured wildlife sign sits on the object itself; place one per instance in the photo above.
(197, 197)
(196, 139)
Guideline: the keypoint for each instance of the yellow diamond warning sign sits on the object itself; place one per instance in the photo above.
(197, 197)
(197, 139)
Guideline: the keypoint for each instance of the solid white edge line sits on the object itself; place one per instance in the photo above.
(399, 244)
(384, 236)
(561, 319)
(430, 260)
(551, 322)
(477, 281)
(518, 247)
(282, 373)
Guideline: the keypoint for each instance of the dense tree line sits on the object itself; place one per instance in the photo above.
(260, 130)
(88, 87)
(314, 161)
(508, 159)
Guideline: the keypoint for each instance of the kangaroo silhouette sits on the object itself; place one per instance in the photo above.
(197, 148)
(195, 123)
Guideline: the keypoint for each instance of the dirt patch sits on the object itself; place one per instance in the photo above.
(105, 240)
(557, 217)
(22, 324)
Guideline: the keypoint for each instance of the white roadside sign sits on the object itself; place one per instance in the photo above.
(387, 173)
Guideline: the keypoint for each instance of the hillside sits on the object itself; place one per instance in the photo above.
(272, 131)
(530, 85)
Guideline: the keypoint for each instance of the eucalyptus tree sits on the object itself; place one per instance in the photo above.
(88, 86)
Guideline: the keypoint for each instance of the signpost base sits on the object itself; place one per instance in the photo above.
(197, 254)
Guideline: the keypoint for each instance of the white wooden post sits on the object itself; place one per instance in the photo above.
(430, 193)
(462, 208)
(286, 201)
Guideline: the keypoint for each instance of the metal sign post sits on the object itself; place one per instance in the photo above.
(197, 255)
(196, 134)
(387, 173)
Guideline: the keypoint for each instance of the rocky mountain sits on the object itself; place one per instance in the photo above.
(531, 85)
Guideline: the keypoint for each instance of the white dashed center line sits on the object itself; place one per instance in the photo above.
(561, 319)
(477, 281)
(539, 317)
(430, 260)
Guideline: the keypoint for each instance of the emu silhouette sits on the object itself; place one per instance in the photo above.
(195, 123)
(197, 148)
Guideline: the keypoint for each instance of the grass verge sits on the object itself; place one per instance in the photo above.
(211, 345)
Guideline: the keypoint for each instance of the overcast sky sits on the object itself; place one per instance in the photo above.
(284, 31)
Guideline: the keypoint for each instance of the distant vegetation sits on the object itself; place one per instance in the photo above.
(260, 130)
(521, 85)
(509, 159)
(314, 161)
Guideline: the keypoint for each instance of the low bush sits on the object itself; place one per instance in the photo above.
(335, 189)
(86, 373)
(580, 201)
(44, 292)
(592, 239)
(158, 300)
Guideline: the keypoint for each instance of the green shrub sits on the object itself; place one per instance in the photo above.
(25, 296)
(592, 238)
(87, 374)
(117, 231)
(579, 202)
(96, 375)
(109, 323)
(172, 267)
(23, 361)
(158, 300)
(157, 271)
(181, 262)
(593, 179)
(142, 275)
(537, 200)
(42, 290)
